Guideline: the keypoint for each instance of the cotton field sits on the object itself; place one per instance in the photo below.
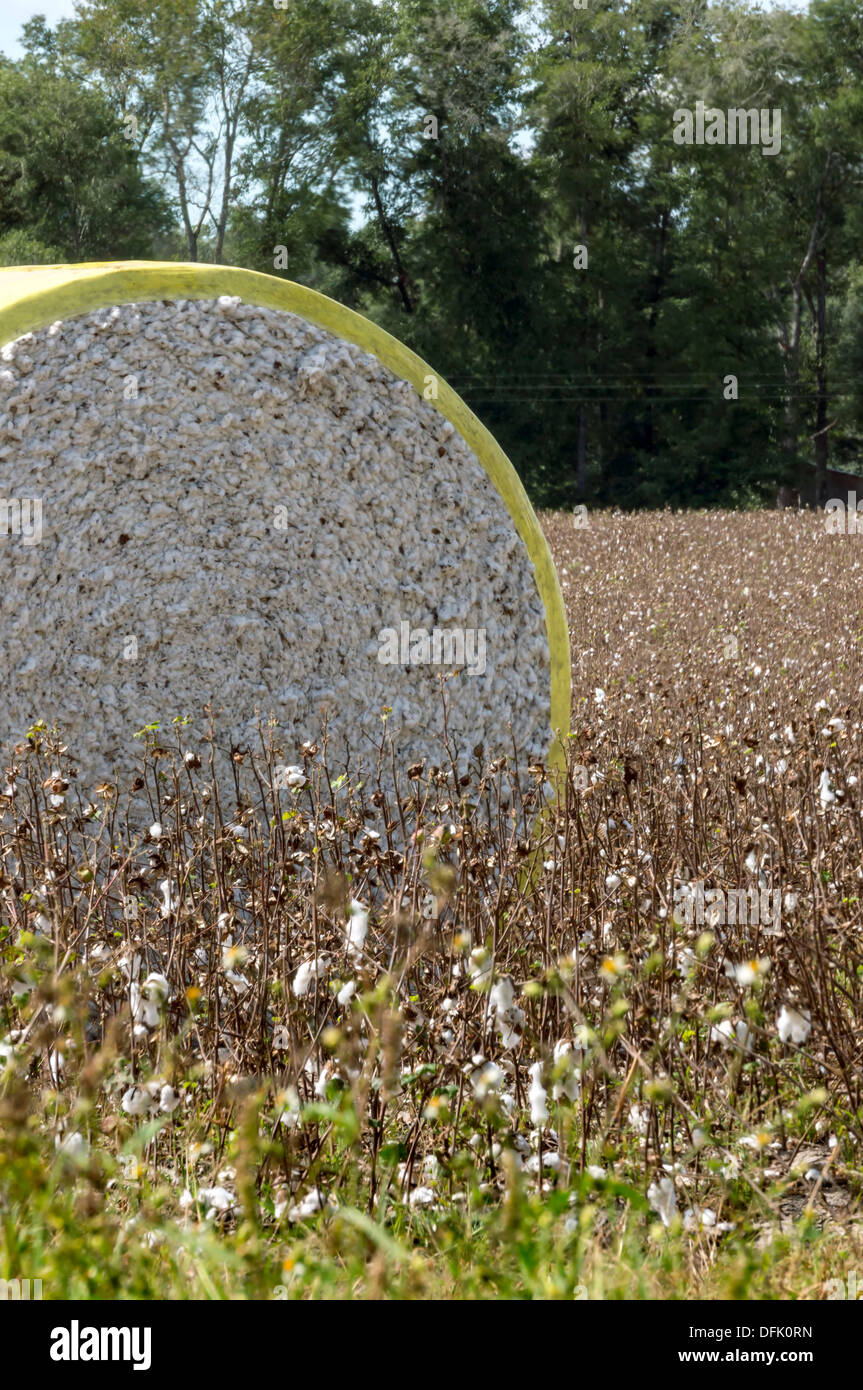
(319, 1035)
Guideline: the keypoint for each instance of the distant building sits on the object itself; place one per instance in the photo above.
(838, 485)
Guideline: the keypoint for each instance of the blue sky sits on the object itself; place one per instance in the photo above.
(14, 13)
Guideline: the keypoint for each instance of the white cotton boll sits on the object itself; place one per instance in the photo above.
(487, 1078)
(599, 695)
(169, 901)
(794, 1025)
(431, 1168)
(313, 1202)
(136, 1101)
(289, 1114)
(507, 1015)
(550, 1161)
(704, 1219)
(663, 1200)
(73, 1145)
(56, 1064)
(130, 965)
(356, 929)
(732, 1035)
(479, 965)
(825, 790)
(537, 1096)
(156, 831)
(216, 1199)
(309, 971)
(639, 1118)
(423, 1197)
(567, 1081)
(346, 993)
(147, 1001)
(748, 971)
(168, 1100)
(157, 988)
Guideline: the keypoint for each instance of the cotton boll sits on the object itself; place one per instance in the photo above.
(169, 900)
(356, 929)
(486, 1079)
(537, 1096)
(308, 972)
(73, 1145)
(168, 1100)
(312, 1203)
(663, 1200)
(794, 1025)
(566, 1078)
(137, 1101)
(423, 1197)
(217, 1200)
(507, 1015)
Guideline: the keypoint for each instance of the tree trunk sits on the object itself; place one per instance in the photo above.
(822, 429)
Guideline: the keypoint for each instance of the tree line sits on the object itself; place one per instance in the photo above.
(645, 303)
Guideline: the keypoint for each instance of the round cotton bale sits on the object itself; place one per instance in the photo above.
(221, 488)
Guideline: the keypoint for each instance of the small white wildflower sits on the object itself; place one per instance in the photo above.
(748, 971)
